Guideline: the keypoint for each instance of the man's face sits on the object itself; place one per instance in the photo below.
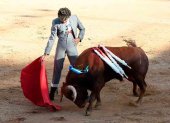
(63, 20)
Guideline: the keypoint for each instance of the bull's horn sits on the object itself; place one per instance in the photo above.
(72, 88)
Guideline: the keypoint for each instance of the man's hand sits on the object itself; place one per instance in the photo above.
(77, 40)
(44, 56)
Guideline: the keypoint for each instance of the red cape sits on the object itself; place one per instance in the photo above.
(35, 85)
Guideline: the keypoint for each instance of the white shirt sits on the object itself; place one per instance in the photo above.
(68, 26)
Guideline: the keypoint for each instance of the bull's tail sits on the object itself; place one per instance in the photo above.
(130, 42)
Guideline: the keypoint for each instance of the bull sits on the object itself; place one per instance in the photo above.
(77, 85)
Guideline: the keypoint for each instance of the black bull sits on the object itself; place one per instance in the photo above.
(76, 86)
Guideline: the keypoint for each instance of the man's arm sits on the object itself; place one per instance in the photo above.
(51, 39)
(81, 28)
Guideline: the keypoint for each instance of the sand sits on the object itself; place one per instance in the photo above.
(24, 31)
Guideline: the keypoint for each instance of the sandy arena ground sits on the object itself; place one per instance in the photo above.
(24, 30)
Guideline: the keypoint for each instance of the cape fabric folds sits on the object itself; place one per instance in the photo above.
(35, 85)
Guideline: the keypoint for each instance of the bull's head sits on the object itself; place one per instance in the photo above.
(77, 94)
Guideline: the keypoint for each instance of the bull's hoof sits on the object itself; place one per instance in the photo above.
(88, 113)
(134, 104)
(136, 94)
(97, 106)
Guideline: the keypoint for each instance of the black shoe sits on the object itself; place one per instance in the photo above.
(52, 93)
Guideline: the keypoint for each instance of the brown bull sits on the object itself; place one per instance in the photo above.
(76, 86)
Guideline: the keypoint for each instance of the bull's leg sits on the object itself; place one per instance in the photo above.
(135, 93)
(95, 95)
(142, 85)
(100, 86)
(98, 103)
(91, 100)
(133, 80)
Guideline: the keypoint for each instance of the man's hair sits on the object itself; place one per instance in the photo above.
(64, 13)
